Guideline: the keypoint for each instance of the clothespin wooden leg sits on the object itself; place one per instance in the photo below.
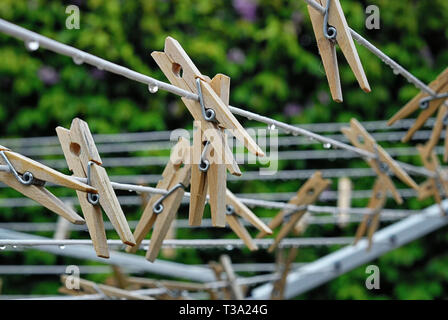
(166, 217)
(241, 231)
(218, 270)
(279, 286)
(344, 200)
(227, 266)
(198, 186)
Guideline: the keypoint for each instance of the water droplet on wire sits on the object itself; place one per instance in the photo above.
(2, 247)
(32, 45)
(229, 247)
(153, 88)
(271, 127)
(78, 60)
(62, 247)
(327, 145)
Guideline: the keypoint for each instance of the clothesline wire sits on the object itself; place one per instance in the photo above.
(27, 36)
(166, 144)
(157, 136)
(228, 244)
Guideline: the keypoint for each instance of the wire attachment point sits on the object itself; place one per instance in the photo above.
(92, 198)
(208, 114)
(27, 177)
(330, 32)
(158, 205)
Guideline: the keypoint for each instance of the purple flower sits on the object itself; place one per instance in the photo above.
(323, 97)
(236, 55)
(292, 109)
(48, 75)
(246, 8)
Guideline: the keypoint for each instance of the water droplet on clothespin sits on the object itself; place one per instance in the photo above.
(327, 145)
(153, 88)
(62, 247)
(32, 45)
(2, 247)
(78, 60)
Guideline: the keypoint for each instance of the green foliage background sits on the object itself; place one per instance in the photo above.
(275, 68)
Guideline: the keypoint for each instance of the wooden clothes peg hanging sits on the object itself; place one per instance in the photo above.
(84, 161)
(226, 264)
(224, 293)
(432, 187)
(327, 35)
(428, 105)
(213, 116)
(284, 266)
(344, 200)
(29, 177)
(306, 195)
(161, 209)
(382, 164)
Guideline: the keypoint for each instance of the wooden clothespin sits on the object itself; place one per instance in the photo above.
(84, 161)
(90, 287)
(361, 139)
(208, 175)
(29, 177)
(213, 114)
(302, 224)
(62, 227)
(306, 195)
(284, 266)
(428, 105)
(344, 200)
(336, 31)
(224, 293)
(430, 188)
(226, 264)
(234, 208)
(161, 209)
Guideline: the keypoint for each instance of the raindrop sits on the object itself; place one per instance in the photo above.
(229, 247)
(153, 88)
(271, 127)
(2, 247)
(396, 71)
(327, 145)
(62, 247)
(14, 247)
(295, 134)
(78, 60)
(32, 45)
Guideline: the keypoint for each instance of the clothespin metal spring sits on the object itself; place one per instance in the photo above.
(158, 206)
(424, 103)
(26, 179)
(204, 164)
(92, 198)
(230, 209)
(208, 114)
(330, 32)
